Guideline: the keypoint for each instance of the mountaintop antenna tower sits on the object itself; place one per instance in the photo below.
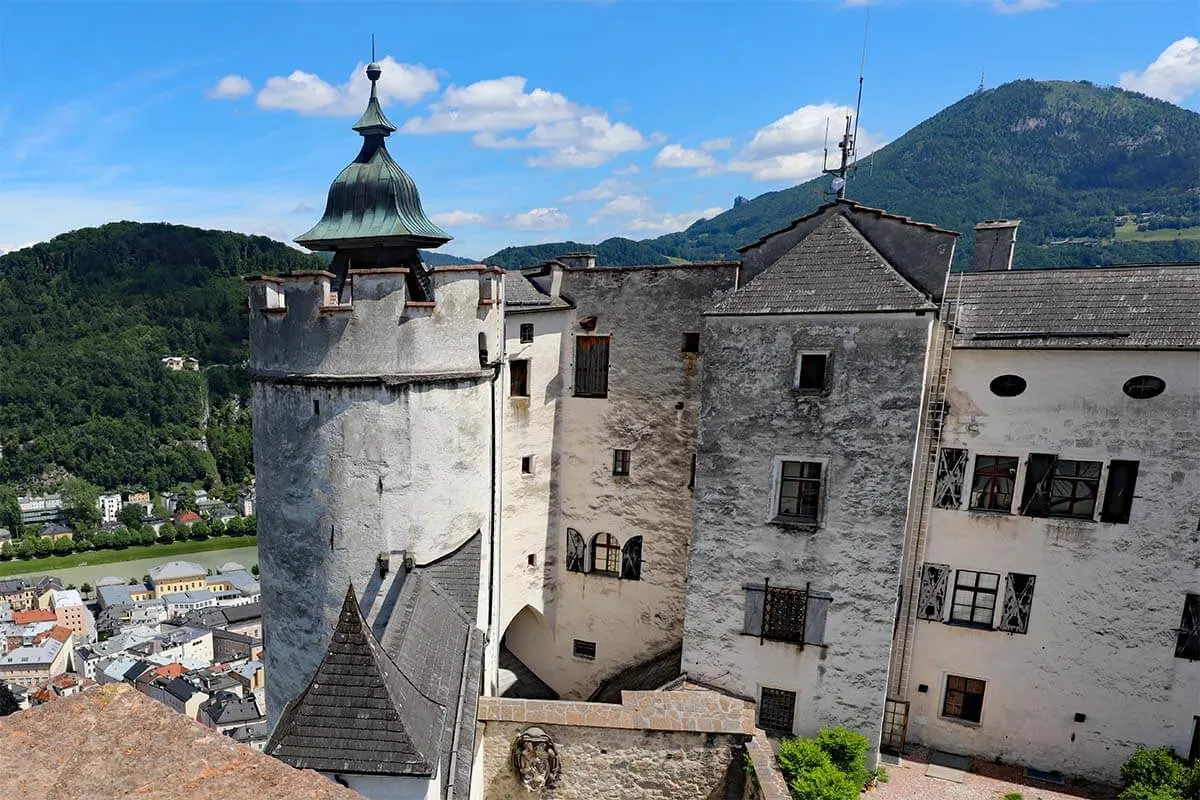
(982, 86)
(850, 137)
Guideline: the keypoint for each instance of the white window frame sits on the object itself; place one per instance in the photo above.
(773, 516)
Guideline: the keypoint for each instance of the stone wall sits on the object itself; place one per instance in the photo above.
(687, 744)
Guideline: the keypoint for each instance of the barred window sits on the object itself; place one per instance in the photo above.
(1018, 603)
(576, 551)
(591, 366)
(992, 485)
(974, 597)
(776, 709)
(964, 698)
(951, 474)
(631, 559)
(606, 555)
(800, 490)
(785, 614)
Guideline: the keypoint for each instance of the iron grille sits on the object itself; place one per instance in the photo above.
(785, 614)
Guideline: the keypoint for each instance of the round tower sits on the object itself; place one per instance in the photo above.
(375, 416)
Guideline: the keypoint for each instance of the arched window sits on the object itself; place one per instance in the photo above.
(1143, 387)
(1008, 385)
(606, 555)
(576, 551)
(631, 559)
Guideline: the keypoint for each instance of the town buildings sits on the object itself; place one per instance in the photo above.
(833, 478)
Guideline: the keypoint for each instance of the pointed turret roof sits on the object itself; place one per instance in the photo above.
(373, 202)
(360, 714)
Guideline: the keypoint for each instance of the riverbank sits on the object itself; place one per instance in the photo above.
(91, 558)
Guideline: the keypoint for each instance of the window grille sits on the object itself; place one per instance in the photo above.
(785, 613)
(776, 709)
(606, 554)
(1187, 642)
(1018, 603)
(631, 559)
(591, 366)
(576, 551)
(783, 624)
(951, 474)
(974, 597)
(992, 485)
(964, 698)
(583, 649)
(934, 581)
(800, 490)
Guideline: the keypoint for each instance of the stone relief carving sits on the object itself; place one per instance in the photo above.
(535, 760)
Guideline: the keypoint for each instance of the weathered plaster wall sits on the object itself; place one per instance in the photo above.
(389, 787)
(388, 454)
(652, 410)
(530, 505)
(1108, 597)
(865, 428)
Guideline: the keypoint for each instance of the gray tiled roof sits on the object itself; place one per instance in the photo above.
(361, 714)
(520, 291)
(458, 573)
(1107, 308)
(833, 269)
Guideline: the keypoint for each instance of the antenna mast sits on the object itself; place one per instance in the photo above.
(850, 137)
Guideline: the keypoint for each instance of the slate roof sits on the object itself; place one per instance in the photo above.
(360, 714)
(520, 292)
(833, 269)
(117, 594)
(175, 570)
(1135, 307)
(230, 709)
(458, 573)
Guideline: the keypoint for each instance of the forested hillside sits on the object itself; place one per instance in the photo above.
(611, 251)
(84, 321)
(1068, 159)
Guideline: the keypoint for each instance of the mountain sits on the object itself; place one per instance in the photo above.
(434, 258)
(610, 251)
(84, 321)
(1065, 158)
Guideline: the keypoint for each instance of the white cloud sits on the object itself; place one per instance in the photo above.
(628, 169)
(539, 219)
(675, 156)
(669, 223)
(713, 145)
(1021, 6)
(309, 94)
(458, 217)
(230, 87)
(624, 205)
(1173, 76)
(572, 135)
(791, 148)
(604, 190)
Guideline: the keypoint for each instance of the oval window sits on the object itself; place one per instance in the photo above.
(1143, 387)
(1008, 385)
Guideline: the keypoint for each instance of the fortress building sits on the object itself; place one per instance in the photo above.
(833, 478)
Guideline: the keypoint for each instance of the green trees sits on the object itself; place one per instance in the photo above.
(10, 510)
(166, 533)
(830, 766)
(81, 503)
(1159, 775)
(8, 703)
(199, 530)
(235, 527)
(131, 516)
(86, 589)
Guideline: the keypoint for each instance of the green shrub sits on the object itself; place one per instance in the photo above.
(824, 782)
(1140, 791)
(847, 750)
(1152, 769)
(797, 756)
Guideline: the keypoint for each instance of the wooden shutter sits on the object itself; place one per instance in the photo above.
(1118, 496)
(631, 559)
(591, 366)
(932, 600)
(818, 611)
(1018, 603)
(1035, 500)
(755, 595)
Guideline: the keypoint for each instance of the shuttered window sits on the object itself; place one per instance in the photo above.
(1118, 495)
(591, 366)
(576, 551)
(935, 579)
(631, 559)
(1018, 602)
(787, 614)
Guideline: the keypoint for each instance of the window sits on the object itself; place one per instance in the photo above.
(483, 350)
(606, 555)
(932, 600)
(1143, 387)
(951, 474)
(526, 332)
(631, 559)
(621, 462)
(776, 709)
(964, 699)
(1007, 385)
(810, 372)
(974, 598)
(518, 374)
(692, 473)
(1118, 495)
(800, 490)
(526, 465)
(1018, 603)
(582, 649)
(576, 551)
(1187, 642)
(591, 366)
(1059, 487)
(691, 343)
(786, 614)
(317, 407)
(992, 485)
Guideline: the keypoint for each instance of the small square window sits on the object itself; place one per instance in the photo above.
(526, 465)
(810, 372)
(531, 559)
(585, 650)
(691, 343)
(518, 371)
(526, 332)
(621, 462)
(964, 699)
(776, 709)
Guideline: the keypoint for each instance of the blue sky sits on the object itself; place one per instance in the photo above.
(520, 122)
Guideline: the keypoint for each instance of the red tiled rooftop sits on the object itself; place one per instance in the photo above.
(111, 741)
(36, 615)
(170, 671)
(187, 518)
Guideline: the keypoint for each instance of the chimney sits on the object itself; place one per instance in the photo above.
(556, 279)
(994, 243)
(579, 260)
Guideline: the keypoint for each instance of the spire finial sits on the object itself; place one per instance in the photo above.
(372, 47)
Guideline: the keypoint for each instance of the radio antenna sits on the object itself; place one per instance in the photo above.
(850, 137)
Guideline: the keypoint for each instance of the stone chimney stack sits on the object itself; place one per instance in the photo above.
(579, 260)
(994, 243)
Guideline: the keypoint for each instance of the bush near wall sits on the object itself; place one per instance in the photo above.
(1159, 775)
(830, 766)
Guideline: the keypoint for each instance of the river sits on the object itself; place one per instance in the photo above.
(246, 556)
